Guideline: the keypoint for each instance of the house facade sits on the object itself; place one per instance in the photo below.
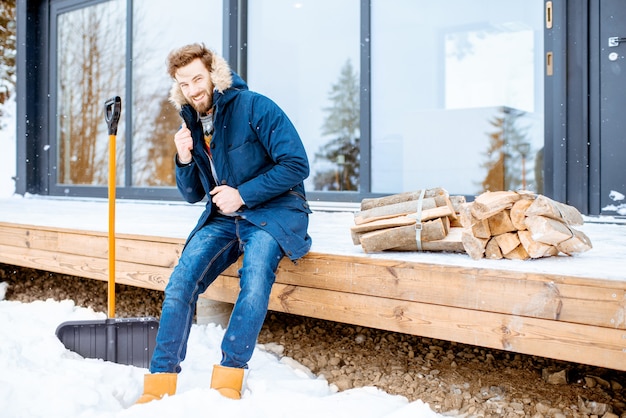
(387, 95)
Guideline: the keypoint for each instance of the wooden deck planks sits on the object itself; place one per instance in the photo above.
(566, 341)
(564, 317)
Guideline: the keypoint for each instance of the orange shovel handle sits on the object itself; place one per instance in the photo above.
(112, 110)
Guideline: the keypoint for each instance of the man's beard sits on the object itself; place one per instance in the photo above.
(203, 107)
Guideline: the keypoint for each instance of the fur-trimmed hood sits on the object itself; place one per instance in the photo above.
(221, 77)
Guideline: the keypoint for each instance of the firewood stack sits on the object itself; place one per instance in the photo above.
(391, 222)
(520, 225)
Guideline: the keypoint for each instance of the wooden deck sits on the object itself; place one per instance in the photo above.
(563, 316)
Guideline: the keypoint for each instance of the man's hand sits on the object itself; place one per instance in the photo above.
(184, 144)
(226, 198)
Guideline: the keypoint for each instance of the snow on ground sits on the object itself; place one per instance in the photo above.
(39, 377)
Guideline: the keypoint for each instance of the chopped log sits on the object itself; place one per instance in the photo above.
(356, 237)
(552, 252)
(534, 248)
(507, 242)
(578, 243)
(457, 202)
(392, 210)
(383, 223)
(526, 194)
(384, 239)
(371, 203)
(501, 223)
(450, 206)
(376, 241)
(456, 223)
(427, 215)
(518, 253)
(547, 230)
(544, 206)
(492, 250)
(445, 221)
(474, 246)
(465, 215)
(433, 230)
(480, 229)
(434, 213)
(451, 243)
(490, 203)
(358, 230)
(518, 213)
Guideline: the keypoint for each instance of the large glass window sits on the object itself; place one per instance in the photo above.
(457, 95)
(155, 120)
(90, 68)
(455, 90)
(305, 56)
(92, 46)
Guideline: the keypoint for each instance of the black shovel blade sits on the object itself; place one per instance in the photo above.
(128, 341)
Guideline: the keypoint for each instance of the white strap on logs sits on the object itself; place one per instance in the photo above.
(418, 221)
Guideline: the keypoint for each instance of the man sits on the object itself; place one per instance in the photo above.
(239, 150)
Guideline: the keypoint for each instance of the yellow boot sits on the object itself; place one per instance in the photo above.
(227, 381)
(156, 386)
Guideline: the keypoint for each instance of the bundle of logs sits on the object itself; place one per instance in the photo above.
(391, 222)
(514, 225)
(520, 225)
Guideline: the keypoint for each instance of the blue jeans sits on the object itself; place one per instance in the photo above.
(207, 254)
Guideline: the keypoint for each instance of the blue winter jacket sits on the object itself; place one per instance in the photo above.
(258, 151)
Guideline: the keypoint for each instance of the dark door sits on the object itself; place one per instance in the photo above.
(612, 149)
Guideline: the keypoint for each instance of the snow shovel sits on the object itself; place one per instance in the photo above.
(128, 341)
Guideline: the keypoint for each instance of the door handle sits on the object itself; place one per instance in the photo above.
(615, 41)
